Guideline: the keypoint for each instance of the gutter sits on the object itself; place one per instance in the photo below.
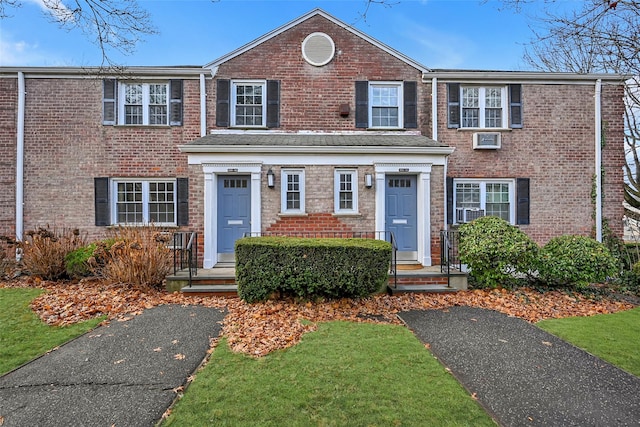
(20, 161)
(203, 105)
(598, 159)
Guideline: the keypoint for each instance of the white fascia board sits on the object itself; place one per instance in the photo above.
(301, 159)
(303, 18)
(533, 77)
(95, 72)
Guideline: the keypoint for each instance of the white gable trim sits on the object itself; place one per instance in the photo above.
(214, 64)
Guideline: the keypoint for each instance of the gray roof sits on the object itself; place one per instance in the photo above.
(316, 140)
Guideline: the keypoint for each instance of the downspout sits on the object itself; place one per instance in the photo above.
(203, 105)
(434, 108)
(20, 163)
(598, 164)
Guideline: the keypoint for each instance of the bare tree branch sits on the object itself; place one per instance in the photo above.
(113, 25)
(598, 36)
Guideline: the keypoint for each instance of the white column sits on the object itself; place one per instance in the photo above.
(424, 218)
(210, 217)
(380, 202)
(256, 221)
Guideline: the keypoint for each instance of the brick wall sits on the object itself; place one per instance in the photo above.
(319, 203)
(66, 147)
(8, 117)
(309, 95)
(555, 149)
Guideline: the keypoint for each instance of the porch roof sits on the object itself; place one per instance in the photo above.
(358, 142)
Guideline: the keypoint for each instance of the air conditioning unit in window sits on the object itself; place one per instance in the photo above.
(486, 140)
(468, 214)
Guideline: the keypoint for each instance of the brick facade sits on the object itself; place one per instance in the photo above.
(67, 145)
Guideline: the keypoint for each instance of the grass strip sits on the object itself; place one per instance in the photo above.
(614, 338)
(23, 336)
(344, 374)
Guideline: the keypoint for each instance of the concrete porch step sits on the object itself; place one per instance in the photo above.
(220, 281)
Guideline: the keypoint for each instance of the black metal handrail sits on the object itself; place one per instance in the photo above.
(387, 236)
(185, 253)
(449, 256)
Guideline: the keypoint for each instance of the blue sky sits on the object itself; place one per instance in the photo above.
(460, 34)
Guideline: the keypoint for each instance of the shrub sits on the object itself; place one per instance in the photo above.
(496, 251)
(77, 261)
(309, 268)
(138, 256)
(575, 260)
(44, 251)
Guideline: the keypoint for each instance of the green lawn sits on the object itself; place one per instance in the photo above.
(23, 336)
(342, 374)
(612, 337)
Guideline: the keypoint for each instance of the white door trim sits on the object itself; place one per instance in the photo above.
(423, 172)
(211, 173)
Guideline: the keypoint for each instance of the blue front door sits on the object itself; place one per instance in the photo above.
(234, 212)
(402, 213)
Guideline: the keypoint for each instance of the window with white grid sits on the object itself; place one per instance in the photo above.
(144, 202)
(249, 103)
(143, 104)
(346, 191)
(483, 107)
(474, 198)
(292, 191)
(385, 103)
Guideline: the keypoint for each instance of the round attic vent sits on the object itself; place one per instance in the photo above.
(318, 49)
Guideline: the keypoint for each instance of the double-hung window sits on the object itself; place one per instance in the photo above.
(476, 198)
(346, 191)
(143, 103)
(484, 107)
(293, 191)
(144, 202)
(249, 107)
(385, 105)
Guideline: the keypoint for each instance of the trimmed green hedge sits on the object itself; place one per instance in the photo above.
(310, 267)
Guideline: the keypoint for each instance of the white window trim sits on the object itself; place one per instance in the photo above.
(482, 99)
(283, 192)
(483, 194)
(145, 200)
(234, 84)
(354, 190)
(122, 94)
(400, 87)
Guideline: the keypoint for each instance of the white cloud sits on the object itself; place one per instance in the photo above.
(55, 8)
(22, 53)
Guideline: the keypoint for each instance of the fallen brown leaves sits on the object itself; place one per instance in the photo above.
(257, 329)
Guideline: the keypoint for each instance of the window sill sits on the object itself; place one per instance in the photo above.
(484, 129)
(385, 129)
(290, 214)
(133, 225)
(347, 214)
(142, 126)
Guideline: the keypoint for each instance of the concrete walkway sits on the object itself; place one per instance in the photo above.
(524, 376)
(121, 374)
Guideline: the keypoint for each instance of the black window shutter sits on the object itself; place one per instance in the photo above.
(522, 196)
(223, 94)
(453, 105)
(273, 103)
(175, 103)
(183, 201)
(410, 105)
(515, 106)
(101, 201)
(362, 104)
(450, 200)
(109, 95)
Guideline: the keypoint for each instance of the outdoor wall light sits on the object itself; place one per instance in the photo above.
(368, 180)
(271, 178)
